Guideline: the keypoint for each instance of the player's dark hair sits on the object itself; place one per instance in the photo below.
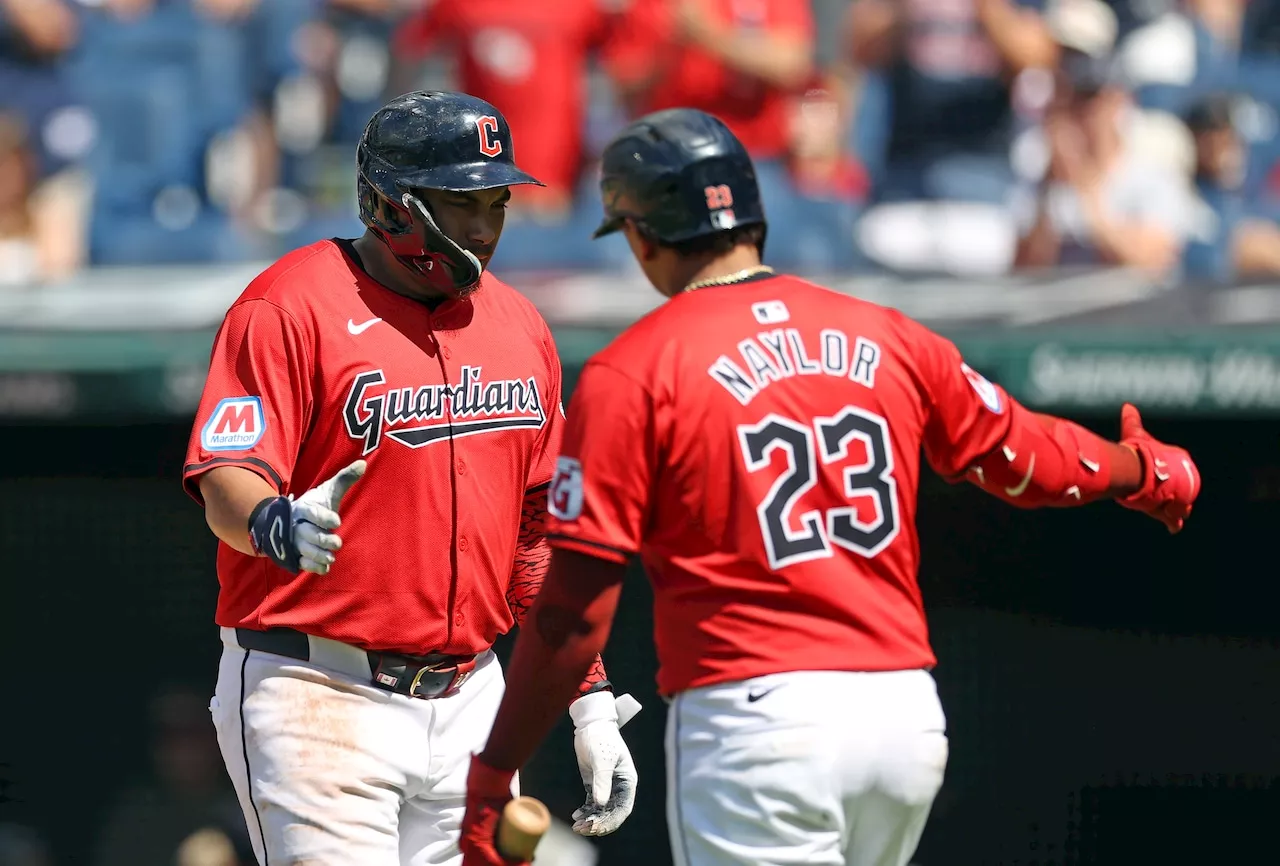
(720, 242)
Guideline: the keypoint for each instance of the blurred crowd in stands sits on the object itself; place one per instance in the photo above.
(969, 137)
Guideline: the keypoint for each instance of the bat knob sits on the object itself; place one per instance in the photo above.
(524, 822)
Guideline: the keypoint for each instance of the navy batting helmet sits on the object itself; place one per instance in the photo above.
(680, 174)
(431, 140)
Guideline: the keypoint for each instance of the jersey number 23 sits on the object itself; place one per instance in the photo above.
(829, 437)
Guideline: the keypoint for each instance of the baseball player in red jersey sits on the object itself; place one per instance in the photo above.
(756, 442)
(373, 450)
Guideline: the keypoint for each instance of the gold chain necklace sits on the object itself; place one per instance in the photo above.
(736, 277)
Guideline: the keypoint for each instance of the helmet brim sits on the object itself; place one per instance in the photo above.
(608, 226)
(467, 177)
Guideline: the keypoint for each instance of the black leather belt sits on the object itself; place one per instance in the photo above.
(431, 676)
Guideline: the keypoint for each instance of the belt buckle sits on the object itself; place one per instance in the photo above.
(461, 673)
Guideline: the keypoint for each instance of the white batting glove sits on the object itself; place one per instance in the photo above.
(608, 773)
(316, 511)
(295, 533)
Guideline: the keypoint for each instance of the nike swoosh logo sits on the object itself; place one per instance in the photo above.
(1162, 470)
(354, 329)
(1018, 491)
(752, 697)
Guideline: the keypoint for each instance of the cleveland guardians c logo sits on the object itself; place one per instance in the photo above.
(490, 144)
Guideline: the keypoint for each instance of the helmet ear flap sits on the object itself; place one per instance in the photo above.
(380, 214)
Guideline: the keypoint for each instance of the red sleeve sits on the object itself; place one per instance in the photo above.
(600, 17)
(636, 39)
(542, 467)
(419, 33)
(600, 496)
(257, 398)
(968, 416)
(792, 17)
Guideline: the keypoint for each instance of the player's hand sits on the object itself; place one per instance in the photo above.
(315, 512)
(1170, 480)
(297, 535)
(488, 790)
(608, 772)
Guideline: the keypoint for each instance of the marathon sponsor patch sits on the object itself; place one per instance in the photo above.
(984, 389)
(236, 424)
(565, 498)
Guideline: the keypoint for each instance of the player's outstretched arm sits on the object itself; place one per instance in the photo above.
(976, 431)
(1045, 461)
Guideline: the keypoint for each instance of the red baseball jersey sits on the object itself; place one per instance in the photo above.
(758, 445)
(530, 60)
(456, 410)
(691, 76)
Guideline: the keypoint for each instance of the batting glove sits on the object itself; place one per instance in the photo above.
(1170, 480)
(488, 790)
(608, 773)
(294, 533)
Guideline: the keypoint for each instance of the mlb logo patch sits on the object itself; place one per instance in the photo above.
(236, 424)
(724, 219)
(770, 312)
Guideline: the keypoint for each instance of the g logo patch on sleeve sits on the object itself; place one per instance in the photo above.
(564, 500)
(236, 424)
(984, 389)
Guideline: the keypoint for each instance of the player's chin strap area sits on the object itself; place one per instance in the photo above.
(464, 268)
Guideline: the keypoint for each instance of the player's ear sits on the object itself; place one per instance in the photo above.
(644, 246)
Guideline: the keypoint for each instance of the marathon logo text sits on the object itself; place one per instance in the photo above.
(236, 424)
(422, 414)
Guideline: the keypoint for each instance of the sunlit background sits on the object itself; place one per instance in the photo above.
(1083, 194)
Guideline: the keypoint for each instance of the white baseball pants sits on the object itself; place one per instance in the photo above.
(332, 771)
(812, 767)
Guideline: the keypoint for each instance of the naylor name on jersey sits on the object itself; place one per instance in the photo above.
(779, 354)
(421, 414)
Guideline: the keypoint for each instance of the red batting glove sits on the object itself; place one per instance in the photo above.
(488, 790)
(1170, 480)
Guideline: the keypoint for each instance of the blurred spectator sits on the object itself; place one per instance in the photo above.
(1191, 48)
(819, 164)
(46, 197)
(741, 60)
(1230, 240)
(950, 67)
(19, 248)
(1262, 27)
(530, 60)
(747, 62)
(22, 846)
(1104, 199)
(189, 791)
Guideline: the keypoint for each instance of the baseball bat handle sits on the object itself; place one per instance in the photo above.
(524, 822)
